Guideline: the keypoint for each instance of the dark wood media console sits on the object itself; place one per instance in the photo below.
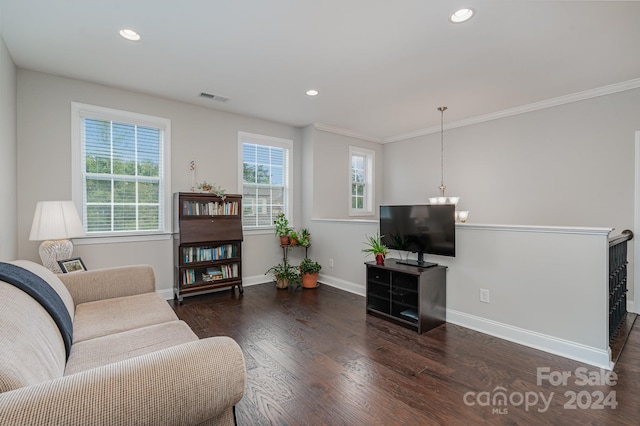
(411, 296)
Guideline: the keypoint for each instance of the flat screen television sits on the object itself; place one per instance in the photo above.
(422, 229)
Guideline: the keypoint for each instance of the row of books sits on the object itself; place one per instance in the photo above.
(219, 272)
(211, 208)
(203, 254)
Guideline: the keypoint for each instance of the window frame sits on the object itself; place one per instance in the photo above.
(286, 144)
(79, 111)
(369, 202)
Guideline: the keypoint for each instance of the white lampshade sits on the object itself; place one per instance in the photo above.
(55, 220)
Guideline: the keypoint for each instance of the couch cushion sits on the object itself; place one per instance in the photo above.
(32, 346)
(109, 316)
(44, 294)
(128, 344)
(52, 279)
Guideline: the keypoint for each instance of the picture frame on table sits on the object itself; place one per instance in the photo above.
(74, 264)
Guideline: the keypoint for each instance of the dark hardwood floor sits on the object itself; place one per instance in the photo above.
(314, 358)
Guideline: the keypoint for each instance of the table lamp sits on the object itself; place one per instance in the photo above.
(55, 222)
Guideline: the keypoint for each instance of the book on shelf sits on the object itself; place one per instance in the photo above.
(188, 276)
(208, 253)
(209, 208)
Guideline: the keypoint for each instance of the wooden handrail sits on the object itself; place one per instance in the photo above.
(625, 235)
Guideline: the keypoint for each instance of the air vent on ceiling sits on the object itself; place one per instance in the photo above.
(214, 97)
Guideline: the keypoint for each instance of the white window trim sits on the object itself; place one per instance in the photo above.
(274, 141)
(79, 111)
(370, 160)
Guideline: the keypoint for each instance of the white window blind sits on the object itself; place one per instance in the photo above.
(123, 171)
(265, 179)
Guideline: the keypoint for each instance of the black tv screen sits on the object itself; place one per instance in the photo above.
(422, 229)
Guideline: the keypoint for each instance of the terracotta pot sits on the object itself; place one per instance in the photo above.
(310, 280)
(293, 242)
(380, 259)
(282, 283)
(284, 240)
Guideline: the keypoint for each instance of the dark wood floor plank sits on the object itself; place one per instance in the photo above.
(313, 357)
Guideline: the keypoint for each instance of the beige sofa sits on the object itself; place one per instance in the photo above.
(132, 362)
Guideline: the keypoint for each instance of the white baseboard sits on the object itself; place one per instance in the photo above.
(342, 284)
(166, 293)
(322, 278)
(254, 280)
(572, 350)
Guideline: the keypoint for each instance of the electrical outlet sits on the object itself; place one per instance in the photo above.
(484, 295)
(330, 263)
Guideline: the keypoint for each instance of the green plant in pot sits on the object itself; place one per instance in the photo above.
(294, 237)
(282, 229)
(284, 273)
(374, 246)
(309, 271)
(304, 237)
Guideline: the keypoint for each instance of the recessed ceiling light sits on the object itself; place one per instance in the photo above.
(130, 35)
(312, 92)
(461, 15)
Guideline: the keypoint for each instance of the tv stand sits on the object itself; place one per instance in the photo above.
(412, 296)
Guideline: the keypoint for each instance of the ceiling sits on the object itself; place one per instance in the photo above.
(382, 67)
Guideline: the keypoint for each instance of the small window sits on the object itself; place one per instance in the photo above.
(266, 179)
(361, 184)
(120, 168)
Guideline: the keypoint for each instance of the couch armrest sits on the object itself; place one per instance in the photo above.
(185, 384)
(88, 286)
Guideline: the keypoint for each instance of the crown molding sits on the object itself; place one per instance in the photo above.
(343, 132)
(549, 103)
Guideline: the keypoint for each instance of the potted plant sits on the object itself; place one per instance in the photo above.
(212, 188)
(375, 247)
(284, 274)
(309, 271)
(304, 237)
(294, 238)
(282, 229)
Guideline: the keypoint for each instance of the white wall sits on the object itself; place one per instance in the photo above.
(342, 241)
(332, 174)
(548, 287)
(8, 156)
(207, 136)
(569, 165)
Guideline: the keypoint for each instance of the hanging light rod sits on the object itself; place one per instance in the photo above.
(442, 199)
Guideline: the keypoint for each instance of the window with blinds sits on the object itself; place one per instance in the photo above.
(123, 173)
(265, 179)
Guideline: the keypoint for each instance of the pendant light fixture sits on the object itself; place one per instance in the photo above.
(443, 199)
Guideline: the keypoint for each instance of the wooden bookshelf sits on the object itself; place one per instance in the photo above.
(207, 243)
